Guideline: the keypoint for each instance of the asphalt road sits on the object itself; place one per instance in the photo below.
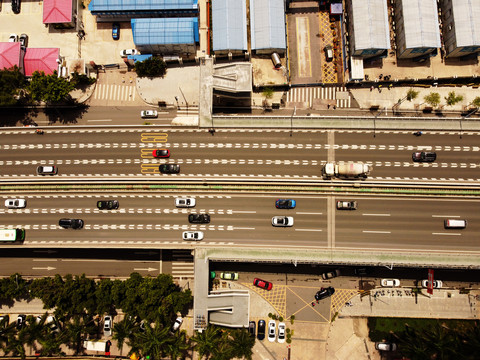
(237, 154)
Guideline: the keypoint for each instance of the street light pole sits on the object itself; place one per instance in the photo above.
(291, 120)
(184, 98)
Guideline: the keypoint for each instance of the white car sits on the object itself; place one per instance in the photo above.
(149, 113)
(107, 325)
(271, 331)
(193, 235)
(390, 282)
(185, 202)
(281, 333)
(13, 38)
(176, 325)
(15, 203)
(282, 221)
(126, 52)
(437, 284)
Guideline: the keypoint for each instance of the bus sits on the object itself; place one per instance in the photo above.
(12, 235)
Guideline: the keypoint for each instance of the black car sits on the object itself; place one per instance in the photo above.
(324, 293)
(23, 39)
(21, 321)
(199, 218)
(261, 329)
(107, 204)
(251, 328)
(71, 223)
(285, 204)
(169, 168)
(116, 31)
(424, 156)
(16, 6)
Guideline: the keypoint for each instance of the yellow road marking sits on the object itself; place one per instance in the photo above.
(149, 169)
(147, 153)
(154, 137)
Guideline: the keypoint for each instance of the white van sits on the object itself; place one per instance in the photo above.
(455, 224)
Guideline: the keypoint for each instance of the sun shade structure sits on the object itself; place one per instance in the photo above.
(368, 27)
(461, 27)
(41, 59)
(229, 26)
(267, 26)
(165, 35)
(57, 11)
(417, 27)
(10, 55)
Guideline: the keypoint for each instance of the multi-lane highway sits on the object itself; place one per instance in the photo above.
(125, 153)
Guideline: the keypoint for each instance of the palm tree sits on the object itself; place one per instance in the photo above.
(6, 332)
(122, 330)
(15, 344)
(207, 342)
(34, 330)
(178, 346)
(242, 344)
(153, 341)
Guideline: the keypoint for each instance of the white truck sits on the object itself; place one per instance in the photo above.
(348, 170)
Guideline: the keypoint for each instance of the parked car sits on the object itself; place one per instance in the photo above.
(71, 223)
(424, 156)
(331, 274)
(15, 203)
(385, 346)
(149, 113)
(107, 204)
(23, 40)
(229, 276)
(251, 328)
(271, 331)
(161, 153)
(49, 320)
(16, 6)
(328, 53)
(176, 325)
(116, 31)
(281, 333)
(47, 170)
(5, 320)
(261, 329)
(282, 221)
(285, 204)
(324, 293)
(185, 202)
(192, 235)
(169, 168)
(262, 284)
(198, 218)
(21, 321)
(107, 325)
(127, 52)
(437, 284)
(390, 282)
(13, 38)
(346, 205)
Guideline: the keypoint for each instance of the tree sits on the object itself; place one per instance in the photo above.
(411, 95)
(453, 98)
(49, 88)
(432, 99)
(207, 341)
(122, 331)
(178, 346)
(151, 67)
(242, 344)
(11, 80)
(476, 101)
(268, 92)
(153, 341)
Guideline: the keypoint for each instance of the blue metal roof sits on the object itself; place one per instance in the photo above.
(160, 31)
(132, 5)
(229, 25)
(267, 24)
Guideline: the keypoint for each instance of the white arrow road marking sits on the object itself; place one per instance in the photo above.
(145, 269)
(376, 232)
(49, 268)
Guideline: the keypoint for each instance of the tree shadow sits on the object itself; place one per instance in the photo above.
(65, 115)
(15, 116)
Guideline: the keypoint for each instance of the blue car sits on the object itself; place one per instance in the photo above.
(116, 31)
(285, 204)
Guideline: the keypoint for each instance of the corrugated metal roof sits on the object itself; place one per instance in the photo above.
(9, 55)
(57, 11)
(159, 31)
(41, 59)
(467, 22)
(421, 23)
(370, 23)
(267, 19)
(129, 5)
(229, 25)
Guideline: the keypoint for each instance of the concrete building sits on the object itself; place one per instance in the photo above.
(417, 28)
(460, 27)
(368, 27)
(267, 26)
(229, 27)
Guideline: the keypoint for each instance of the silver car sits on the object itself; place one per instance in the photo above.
(282, 221)
(15, 203)
(185, 202)
(193, 235)
(107, 325)
(271, 331)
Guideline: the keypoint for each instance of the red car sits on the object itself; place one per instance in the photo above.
(161, 153)
(262, 284)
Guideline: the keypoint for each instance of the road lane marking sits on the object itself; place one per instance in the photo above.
(308, 230)
(99, 120)
(307, 213)
(446, 216)
(376, 214)
(44, 259)
(243, 212)
(447, 234)
(242, 228)
(377, 232)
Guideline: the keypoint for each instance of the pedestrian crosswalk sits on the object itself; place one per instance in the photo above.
(115, 92)
(338, 94)
(182, 264)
